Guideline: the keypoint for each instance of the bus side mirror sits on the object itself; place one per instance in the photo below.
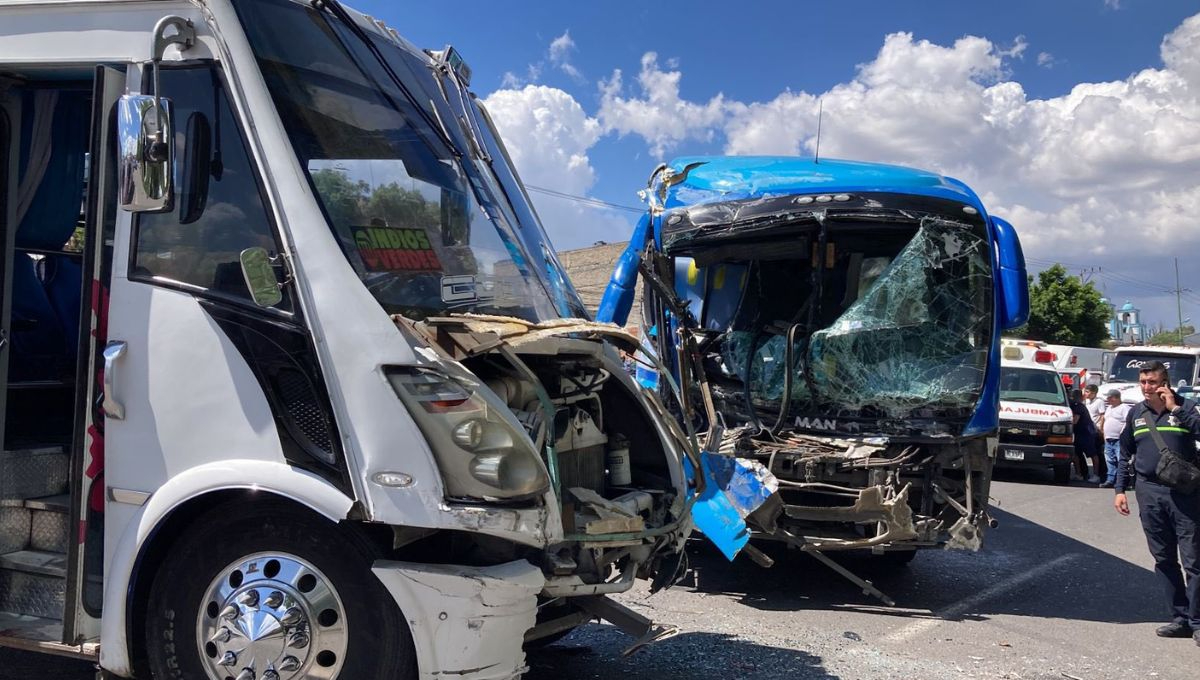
(1011, 280)
(260, 277)
(146, 170)
(146, 139)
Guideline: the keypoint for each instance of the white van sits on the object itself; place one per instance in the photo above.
(1035, 419)
(296, 392)
(1122, 366)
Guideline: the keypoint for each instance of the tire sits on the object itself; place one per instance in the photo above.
(1062, 474)
(318, 613)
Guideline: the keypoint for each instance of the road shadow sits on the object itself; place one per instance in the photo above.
(1044, 477)
(594, 651)
(1024, 569)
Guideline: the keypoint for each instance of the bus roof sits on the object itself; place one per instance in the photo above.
(1158, 349)
(723, 178)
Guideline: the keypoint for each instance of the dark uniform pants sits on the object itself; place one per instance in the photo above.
(1171, 521)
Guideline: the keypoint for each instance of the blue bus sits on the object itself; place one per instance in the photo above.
(833, 329)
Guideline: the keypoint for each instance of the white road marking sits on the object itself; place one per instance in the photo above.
(963, 606)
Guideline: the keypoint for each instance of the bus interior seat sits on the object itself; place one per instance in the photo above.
(62, 277)
(39, 343)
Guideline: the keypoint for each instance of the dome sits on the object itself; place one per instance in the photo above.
(1128, 307)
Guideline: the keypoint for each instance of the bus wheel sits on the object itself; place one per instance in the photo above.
(264, 596)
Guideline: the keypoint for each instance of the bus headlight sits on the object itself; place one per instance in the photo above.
(480, 453)
(1060, 428)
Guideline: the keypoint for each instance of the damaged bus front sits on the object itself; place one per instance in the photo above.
(837, 323)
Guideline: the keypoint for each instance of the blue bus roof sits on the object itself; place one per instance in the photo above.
(723, 178)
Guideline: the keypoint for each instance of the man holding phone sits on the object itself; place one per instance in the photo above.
(1170, 518)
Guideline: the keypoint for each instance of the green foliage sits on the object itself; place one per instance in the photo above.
(1171, 337)
(1065, 311)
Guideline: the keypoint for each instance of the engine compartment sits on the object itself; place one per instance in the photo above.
(616, 469)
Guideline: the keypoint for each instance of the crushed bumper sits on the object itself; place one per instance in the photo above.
(466, 622)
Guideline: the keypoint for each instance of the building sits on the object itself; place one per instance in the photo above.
(590, 270)
(1126, 327)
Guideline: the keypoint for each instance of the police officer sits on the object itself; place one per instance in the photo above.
(1171, 519)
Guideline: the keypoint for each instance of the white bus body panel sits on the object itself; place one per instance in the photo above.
(355, 338)
(466, 622)
(140, 522)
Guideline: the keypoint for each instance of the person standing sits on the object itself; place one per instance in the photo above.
(1112, 422)
(1085, 438)
(1170, 518)
(1095, 407)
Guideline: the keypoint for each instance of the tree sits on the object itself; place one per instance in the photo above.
(1065, 311)
(1171, 337)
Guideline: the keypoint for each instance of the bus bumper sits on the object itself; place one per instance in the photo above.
(468, 623)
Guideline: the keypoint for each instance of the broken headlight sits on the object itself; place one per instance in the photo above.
(1060, 428)
(480, 452)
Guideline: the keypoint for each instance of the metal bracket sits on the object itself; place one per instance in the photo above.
(868, 588)
(632, 623)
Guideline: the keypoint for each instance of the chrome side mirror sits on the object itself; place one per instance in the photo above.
(260, 277)
(147, 165)
(146, 170)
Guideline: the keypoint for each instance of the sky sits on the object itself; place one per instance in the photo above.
(1076, 120)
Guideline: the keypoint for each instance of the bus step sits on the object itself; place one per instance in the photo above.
(33, 472)
(33, 583)
(49, 523)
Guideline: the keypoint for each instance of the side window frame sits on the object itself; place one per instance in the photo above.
(288, 308)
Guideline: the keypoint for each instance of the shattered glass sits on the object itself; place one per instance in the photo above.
(916, 338)
(919, 336)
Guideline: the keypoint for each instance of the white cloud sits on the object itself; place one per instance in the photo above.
(657, 113)
(549, 136)
(1103, 175)
(560, 55)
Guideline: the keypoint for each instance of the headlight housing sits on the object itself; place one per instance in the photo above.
(481, 454)
(1060, 428)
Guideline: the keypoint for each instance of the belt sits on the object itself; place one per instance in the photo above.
(1114, 439)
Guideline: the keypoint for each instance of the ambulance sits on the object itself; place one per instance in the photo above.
(1035, 419)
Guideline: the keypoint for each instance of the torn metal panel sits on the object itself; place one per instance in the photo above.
(466, 622)
(872, 505)
(734, 488)
(519, 332)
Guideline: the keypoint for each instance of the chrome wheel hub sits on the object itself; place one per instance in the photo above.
(271, 616)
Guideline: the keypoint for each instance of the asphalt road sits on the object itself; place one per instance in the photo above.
(1063, 589)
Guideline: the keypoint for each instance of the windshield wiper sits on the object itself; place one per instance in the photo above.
(338, 11)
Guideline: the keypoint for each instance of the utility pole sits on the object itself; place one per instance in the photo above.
(1178, 305)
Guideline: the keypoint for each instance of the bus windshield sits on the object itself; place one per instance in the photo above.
(1031, 385)
(426, 232)
(1126, 365)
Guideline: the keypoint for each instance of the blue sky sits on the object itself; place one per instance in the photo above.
(1056, 112)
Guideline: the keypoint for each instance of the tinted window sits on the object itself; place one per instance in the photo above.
(204, 251)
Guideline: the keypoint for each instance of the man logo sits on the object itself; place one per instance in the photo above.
(816, 423)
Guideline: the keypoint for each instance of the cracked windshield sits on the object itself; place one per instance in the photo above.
(909, 324)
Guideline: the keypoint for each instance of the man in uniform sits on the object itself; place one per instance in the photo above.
(1171, 519)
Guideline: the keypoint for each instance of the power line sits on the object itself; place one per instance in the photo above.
(585, 200)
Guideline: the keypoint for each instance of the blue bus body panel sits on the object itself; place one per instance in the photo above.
(726, 178)
(713, 292)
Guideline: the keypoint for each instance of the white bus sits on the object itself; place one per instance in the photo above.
(295, 394)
